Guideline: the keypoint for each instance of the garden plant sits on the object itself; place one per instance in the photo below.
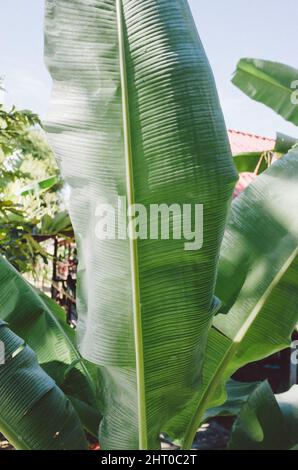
(134, 113)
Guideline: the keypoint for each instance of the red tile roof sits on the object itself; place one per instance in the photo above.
(242, 142)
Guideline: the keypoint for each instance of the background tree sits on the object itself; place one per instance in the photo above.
(30, 189)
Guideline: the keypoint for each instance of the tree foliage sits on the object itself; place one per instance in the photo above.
(26, 160)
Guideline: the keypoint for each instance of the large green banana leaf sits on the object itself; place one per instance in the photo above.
(135, 113)
(271, 83)
(257, 281)
(267, 422)
(41, 323)
(34, 413)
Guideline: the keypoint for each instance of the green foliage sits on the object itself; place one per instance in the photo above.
(161, 139)
(40, 322)
(34, 413)
(274, 85)
(253, 162)
(257, 280)
(17, 237)
(271, 83)
(14, 131)
(162, 354)
(284, 143)
(237, 396)
(29, 188)
(267, 422)
(150, 342)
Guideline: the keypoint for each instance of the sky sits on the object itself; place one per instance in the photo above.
(229, 29)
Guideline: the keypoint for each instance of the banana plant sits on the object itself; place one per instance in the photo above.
(135, 114)
(257, 283)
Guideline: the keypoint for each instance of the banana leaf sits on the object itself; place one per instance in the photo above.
(271, 83)
(41, 323)
(135, 113)
(35, 317)
(34, 413)
(284, 143)
(238, 394)
(267, 422)
(257, 282)
(75, 385)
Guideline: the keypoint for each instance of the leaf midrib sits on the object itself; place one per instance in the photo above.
(136, 302)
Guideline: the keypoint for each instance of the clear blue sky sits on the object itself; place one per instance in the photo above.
(229, 29)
